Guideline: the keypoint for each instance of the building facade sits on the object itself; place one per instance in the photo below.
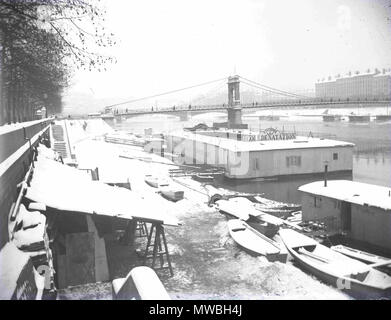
(376, 84)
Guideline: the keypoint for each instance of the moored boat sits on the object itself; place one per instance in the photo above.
(255, 242)
(331, 117)
(383, 117)
(356, 278)
(232, 208)
(359, 118)
(203, 177)
(363, 256)
(267, 229)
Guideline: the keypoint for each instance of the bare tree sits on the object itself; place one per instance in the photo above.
(42, 43)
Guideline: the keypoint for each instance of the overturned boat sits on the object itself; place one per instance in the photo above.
(171, 194)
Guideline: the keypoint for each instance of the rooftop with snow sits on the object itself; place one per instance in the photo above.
(299, 142)
(363, 194)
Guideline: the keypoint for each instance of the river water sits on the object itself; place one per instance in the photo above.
(372, 151)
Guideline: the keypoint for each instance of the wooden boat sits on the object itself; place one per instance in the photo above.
(265, 204)
(356, 278)
(172, 195)
(331, 117)
(155, 182)
(202, 177)
(255, 242)
(232, 208)
(267, 229)
(383, 117)
(363, 256)
(359, 118)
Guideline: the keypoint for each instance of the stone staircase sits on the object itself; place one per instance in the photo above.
(59, 143)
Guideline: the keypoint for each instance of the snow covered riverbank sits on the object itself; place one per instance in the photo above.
(207, 263)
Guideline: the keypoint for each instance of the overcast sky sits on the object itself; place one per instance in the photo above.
(170, 44)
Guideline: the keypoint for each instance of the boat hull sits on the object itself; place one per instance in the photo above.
(255, 243)
(349, 275)
(331, 118)
(151, 183)
(172, 195)
(359, 118)
(353, 288)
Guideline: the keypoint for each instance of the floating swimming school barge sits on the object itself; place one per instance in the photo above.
(244, 154)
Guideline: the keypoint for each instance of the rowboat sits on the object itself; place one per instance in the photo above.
(355, 277)
(203, 177)
(363, 256)
(267, 229)
(275, 208)
(255, 242)
(173, 195)
(232, 208)
(155, 182)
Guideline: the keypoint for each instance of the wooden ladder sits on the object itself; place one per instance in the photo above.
(159, 249)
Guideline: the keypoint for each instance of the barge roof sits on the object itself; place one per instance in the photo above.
(363, 194)
(265, 145)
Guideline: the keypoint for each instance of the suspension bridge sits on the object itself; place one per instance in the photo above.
(271, 98)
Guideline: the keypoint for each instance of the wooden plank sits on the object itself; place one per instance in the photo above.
(61, 271)
(101, 265)
(80, 258)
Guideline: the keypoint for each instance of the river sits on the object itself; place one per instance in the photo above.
(372, 151)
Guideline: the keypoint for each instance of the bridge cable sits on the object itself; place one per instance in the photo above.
(164, 93)
(274, 92)
(273, 89)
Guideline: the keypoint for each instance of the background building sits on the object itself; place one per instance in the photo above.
(371, 84)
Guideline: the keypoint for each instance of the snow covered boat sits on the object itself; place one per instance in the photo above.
(331, 117)
(155, 182)
(359, 255)
(173, 195)
(255, 242)
(356, 278)
(232, 208)
(359, 118)
(203, 177)
(266, 228)
(275, 208)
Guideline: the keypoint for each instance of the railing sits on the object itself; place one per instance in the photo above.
(17, 144)
(265, 104)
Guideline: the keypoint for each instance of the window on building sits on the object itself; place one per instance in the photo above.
(317, 202)
(293, 161)
(335, 156)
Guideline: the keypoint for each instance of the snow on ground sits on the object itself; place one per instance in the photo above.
(207, 263)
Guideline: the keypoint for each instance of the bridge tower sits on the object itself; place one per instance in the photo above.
(234, 108)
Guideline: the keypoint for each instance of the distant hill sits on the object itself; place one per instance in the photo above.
(79, 103)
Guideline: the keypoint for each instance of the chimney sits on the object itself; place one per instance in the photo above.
(325, 173)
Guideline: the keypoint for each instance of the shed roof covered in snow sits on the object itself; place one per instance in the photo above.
(351, 191)
(68, 189)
